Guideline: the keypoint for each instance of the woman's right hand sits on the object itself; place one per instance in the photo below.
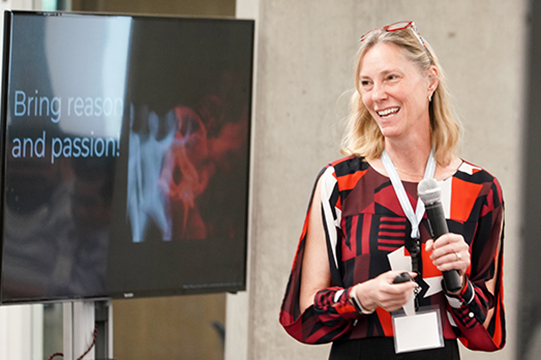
(381, 292)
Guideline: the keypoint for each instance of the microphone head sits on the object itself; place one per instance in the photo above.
(429, 191)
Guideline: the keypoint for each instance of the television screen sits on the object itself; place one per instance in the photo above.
(125, 145)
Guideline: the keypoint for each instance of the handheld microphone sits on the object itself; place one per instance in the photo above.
(430, 193)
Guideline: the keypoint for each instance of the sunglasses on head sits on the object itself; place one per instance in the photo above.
(402, 25)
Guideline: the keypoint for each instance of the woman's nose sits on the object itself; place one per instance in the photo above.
(378, 93)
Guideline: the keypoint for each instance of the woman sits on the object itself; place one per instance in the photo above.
(341, 287)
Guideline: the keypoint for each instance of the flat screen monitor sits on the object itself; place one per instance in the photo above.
(125, 155)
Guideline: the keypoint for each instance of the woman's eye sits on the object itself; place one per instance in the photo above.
(365, 83)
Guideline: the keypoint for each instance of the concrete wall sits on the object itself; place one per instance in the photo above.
(304, 65)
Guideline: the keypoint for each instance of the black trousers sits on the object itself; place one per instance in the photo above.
(383, 349)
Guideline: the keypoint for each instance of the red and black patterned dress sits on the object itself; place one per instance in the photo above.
(364, 222)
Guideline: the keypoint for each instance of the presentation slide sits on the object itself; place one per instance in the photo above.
(126, 152)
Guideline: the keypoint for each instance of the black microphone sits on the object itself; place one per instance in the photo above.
(430, 193)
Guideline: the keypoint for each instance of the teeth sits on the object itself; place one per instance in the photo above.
(388, 112)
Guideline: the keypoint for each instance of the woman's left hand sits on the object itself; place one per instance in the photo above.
(450, 252)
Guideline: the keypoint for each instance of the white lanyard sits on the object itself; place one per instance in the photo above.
(413, 217)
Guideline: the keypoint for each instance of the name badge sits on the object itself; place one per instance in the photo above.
(419, 331)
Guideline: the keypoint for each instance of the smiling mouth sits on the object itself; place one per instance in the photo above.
(387, 113)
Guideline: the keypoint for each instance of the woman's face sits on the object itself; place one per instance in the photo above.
(395, 92)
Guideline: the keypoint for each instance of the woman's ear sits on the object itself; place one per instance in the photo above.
(433, 78)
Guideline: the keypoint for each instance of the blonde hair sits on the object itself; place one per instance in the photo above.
(363, 137)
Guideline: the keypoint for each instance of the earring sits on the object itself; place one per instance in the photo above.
(429, 98)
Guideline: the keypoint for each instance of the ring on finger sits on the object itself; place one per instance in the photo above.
(458, 256)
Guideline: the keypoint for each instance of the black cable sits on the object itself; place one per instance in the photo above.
(55, 355)
(87, 351)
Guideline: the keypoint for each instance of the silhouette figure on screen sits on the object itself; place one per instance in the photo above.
(145, 199)
(186, 172)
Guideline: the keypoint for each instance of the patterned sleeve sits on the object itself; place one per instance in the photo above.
(331, 316)
(478, 310)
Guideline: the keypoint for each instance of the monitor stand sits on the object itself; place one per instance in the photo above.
(86, 322)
